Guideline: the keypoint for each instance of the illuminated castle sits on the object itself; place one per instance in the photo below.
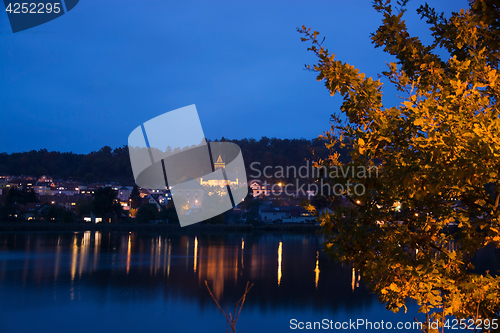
(219, 164)
(232, 178)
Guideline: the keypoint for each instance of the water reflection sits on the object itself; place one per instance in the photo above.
(280, 251)
(316, 270)
(242, 248)
(178, 265)
(169, 251)
(135, 282)
(129, 248)
(195, 253)
(354, 280)
(97, 244)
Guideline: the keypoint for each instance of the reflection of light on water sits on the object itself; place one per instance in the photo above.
(218, 264)
(97, 245)
(216, 268)
(129, 247)
(86, 238)
(84, 252)
(158, 255)
(316, 270)
(353, 280)
(242, 248)
(218, 260)
(279, 262)
(74, 259)
(155, 259)
(168, 255)
(195, 253)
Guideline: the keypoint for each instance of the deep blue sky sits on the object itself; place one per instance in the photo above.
(88, 78)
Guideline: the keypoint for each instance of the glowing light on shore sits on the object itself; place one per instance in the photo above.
(280, 249)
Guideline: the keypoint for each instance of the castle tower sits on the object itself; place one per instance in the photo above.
(219, 164)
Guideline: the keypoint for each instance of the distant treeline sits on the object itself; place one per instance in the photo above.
(113, 165)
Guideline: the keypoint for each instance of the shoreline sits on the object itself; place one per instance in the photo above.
(38, 226)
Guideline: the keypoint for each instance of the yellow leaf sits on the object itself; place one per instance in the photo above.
(394, 287)
(418, 122)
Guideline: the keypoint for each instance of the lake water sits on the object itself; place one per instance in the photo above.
(155, 282)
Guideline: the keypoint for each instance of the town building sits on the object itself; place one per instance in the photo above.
(232, 177)
(285, 214)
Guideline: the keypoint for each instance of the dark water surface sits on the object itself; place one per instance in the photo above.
(155, 282)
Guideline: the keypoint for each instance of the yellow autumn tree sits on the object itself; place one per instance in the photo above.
(435, 203)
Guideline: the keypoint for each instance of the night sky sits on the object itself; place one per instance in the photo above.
(88, 78)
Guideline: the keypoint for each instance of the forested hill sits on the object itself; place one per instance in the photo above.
(108, 165)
